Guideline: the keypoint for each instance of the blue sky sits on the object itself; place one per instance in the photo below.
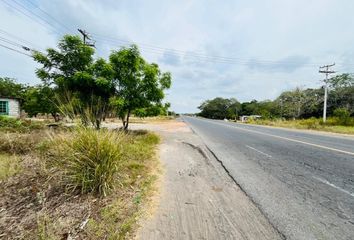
(242, 49)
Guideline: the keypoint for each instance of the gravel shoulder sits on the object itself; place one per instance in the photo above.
(197, 198)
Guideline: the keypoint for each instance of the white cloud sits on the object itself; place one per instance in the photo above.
(251, 34)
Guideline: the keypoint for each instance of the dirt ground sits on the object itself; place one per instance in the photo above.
(198, 199)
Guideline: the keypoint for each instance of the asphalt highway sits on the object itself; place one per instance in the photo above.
(303, 182)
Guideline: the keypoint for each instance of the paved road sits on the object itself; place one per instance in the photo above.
(303, 182)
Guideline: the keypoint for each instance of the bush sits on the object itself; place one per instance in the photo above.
(343, 116)
(310, 123)
(16, 125)
(88, 159)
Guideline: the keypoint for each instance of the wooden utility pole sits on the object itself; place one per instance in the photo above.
(85, 37)
(325, 69)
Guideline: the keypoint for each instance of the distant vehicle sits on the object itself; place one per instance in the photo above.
(245, 118)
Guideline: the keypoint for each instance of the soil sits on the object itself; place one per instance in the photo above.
(198, 199)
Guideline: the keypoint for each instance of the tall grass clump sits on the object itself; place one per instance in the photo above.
(88, 159)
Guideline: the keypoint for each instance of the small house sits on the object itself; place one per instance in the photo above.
(10, 106)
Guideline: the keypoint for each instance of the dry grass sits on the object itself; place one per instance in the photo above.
(312, 123)
(9, 166)
(36, 204)
(21, 143)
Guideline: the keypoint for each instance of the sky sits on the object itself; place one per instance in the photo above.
(234, 48)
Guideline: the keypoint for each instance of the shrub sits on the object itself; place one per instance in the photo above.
(343, 116)
(310, 123)
(88, 159)
(16, 125)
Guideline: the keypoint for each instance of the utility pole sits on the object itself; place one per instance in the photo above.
(85, 37)
(325, 69)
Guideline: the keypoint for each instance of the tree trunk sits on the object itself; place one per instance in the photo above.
(127, 121)
(55, 116)
(98, 124)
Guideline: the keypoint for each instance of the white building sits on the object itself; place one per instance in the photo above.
(10, 107)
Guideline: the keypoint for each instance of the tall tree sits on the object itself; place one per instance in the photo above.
(139, 84)
(73, 71)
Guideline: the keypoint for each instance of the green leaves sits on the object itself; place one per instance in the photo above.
(342, 81)
(140, 84)
(220, 108)
(126, 77)
(10, 88)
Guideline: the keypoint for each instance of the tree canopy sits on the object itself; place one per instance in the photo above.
(140, 85)
(123, 84)
(10, 88)
(220, 108)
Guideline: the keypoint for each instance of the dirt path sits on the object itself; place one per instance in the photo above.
(198, 200)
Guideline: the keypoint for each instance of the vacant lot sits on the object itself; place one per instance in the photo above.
(73, 183)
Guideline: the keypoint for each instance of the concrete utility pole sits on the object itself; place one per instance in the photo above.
(85, 36)
(325, 69)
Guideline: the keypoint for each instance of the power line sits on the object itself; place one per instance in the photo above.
(25, 42)
(11, 42)
(35, 14)
(85, 37)
(202, 56)
(15, 50)
(50, 16)
(29, 16)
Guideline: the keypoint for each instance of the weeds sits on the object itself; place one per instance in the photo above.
(20, 143)
(9, 124)
(333, 124)
(9, 166)
(101, 162)
(88, 159)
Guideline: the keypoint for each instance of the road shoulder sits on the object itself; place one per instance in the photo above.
(198, 199)
(309, 131)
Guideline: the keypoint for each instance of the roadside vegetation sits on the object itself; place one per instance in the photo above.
(68, 177)
(77, 182)
(331, 125)
(299, 108)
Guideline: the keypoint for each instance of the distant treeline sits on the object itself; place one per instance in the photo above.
(296, 104)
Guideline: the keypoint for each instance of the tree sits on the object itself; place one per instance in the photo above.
(139, 84)
(40, 99)
(10, 88)
(342, 81)
(341, 93)
(73, 71)
(220, 108)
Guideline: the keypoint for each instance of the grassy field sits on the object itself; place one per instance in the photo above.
(312, 124)
(74, 183)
